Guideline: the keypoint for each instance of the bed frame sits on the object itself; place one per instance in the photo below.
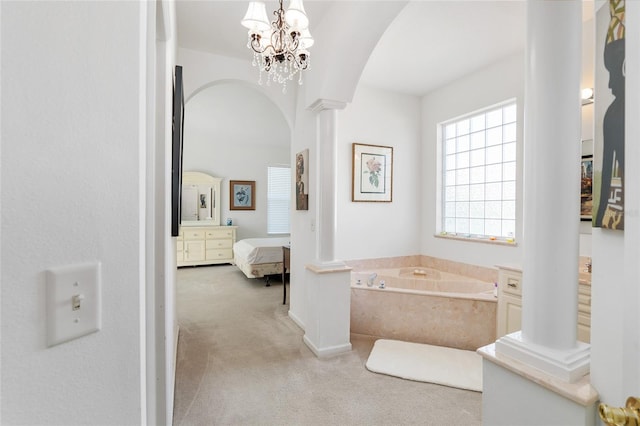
(260, 270)
(261, 252)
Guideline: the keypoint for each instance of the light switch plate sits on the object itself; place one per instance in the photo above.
(73, 302)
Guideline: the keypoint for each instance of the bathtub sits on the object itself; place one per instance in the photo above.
(424, 305)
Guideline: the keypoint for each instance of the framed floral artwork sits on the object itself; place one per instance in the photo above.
(242, 195)
(372, 178)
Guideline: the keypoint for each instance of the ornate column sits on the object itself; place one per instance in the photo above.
(327, 280)
(547, 340)
(327, 142)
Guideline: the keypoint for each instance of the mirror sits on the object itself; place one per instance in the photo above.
(200, 199)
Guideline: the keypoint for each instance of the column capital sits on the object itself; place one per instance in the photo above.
(324, 104)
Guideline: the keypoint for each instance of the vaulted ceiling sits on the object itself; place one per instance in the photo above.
(429, 44)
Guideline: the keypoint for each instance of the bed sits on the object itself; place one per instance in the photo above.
(259, 257)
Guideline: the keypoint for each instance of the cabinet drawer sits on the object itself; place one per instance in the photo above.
(194, 234)
(219, 254)
(584, 309)
(584, 319)
(584, 299)
(584, 289)
(219, 244)
(584, 333)
(511, 283)
(219, 233)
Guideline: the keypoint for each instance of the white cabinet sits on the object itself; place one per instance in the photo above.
(205, 245)
(509, 312)
(584, 311)
(509, 301)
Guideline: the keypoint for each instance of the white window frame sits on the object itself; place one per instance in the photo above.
(477, 176)
(278, 201)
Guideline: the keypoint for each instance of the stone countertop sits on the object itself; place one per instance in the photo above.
(584, 277)
(580, 392)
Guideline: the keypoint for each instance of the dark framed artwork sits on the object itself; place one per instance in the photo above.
(586, 188)
(302, 180)
(372, 173)
(609, 116)
(242, 195)
(177, 145)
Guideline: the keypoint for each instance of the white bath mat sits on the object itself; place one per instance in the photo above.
(426, 363)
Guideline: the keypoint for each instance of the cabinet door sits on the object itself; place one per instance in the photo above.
(514, 314)
(193, 251)
(509, 315)
(179, 252)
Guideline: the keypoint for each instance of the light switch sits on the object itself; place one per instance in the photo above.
(73, 302)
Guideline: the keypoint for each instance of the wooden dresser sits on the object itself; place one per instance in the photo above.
(205, 245)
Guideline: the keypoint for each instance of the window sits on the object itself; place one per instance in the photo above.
(278, 199)
(479, 174)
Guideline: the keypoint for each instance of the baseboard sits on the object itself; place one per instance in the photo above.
(175, 352)
(296, 320)
(328, 351)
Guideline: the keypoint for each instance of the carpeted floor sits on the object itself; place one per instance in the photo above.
(242, 361)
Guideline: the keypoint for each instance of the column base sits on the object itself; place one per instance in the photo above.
(328, 315)
(568, 366)
(326, 351)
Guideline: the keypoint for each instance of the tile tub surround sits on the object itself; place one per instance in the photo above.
(453, 311)
(473, 271)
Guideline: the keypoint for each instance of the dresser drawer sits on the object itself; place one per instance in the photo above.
(194, 234)
(219, 244)
(219, 254)
(219, 233)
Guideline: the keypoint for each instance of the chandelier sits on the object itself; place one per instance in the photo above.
(280, 47)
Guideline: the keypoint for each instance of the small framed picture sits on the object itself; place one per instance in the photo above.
(302, 180)
(372, 178)
(242, 195)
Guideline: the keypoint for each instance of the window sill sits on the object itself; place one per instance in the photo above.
(477, 240)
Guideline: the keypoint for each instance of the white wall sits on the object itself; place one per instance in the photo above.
(615, 292)
(235, 132)
(204, 69)
(499, 82)
(162, 332)
(371, 230)
(72, 175)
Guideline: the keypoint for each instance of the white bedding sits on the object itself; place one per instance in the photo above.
(260, 250)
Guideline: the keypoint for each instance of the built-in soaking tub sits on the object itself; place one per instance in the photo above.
(424, 305)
